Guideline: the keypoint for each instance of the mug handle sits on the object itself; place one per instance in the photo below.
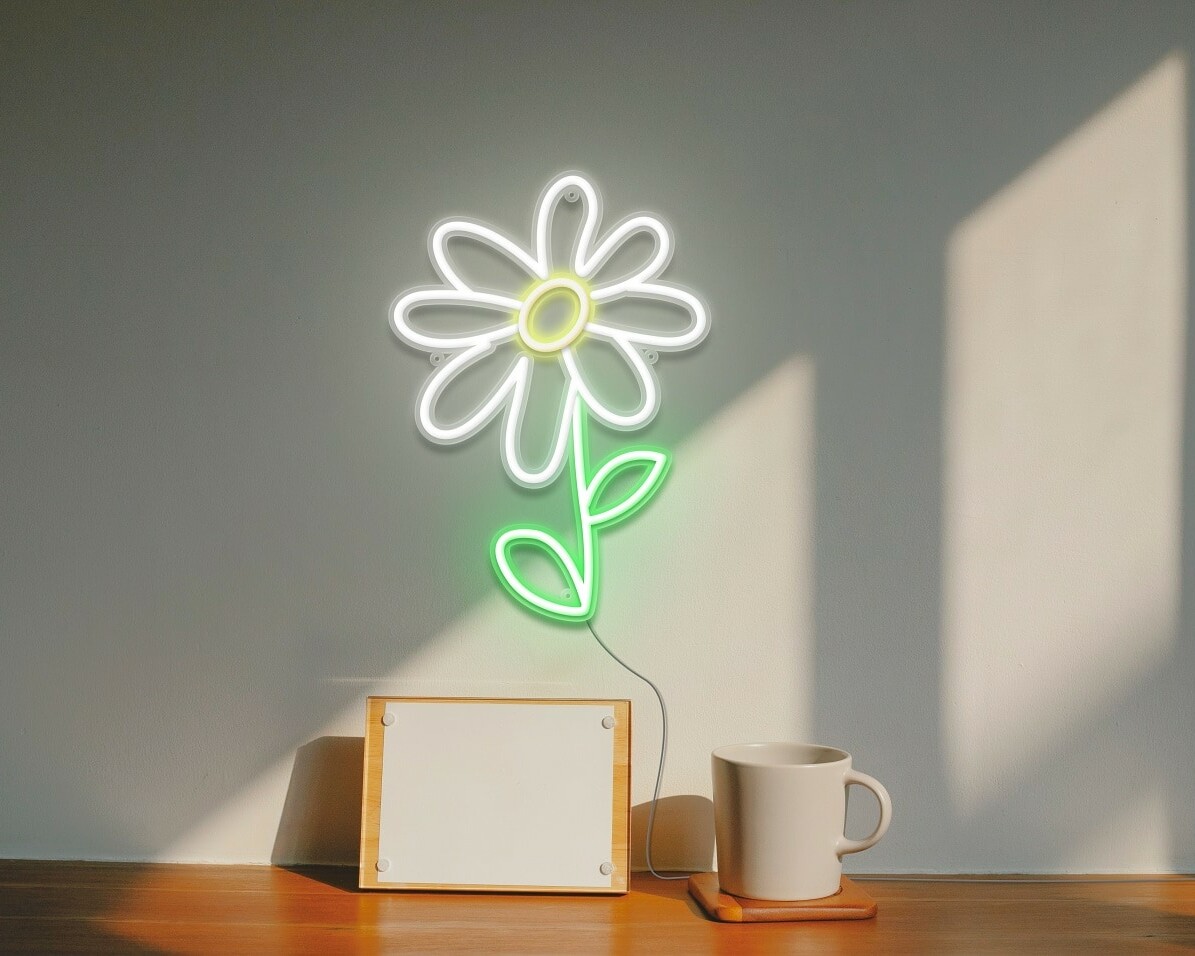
(846, 845)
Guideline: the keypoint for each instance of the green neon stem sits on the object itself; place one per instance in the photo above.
(581, 580)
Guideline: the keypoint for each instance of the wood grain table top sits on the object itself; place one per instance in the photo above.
(61, 908)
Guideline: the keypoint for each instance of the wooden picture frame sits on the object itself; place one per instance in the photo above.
(496, 795)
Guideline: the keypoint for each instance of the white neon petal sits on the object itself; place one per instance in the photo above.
(602, 366)
(535, 476)
(494, 312)
(581, 586)
(546, 208)
(631, 501)
(648, 388)
(503, 326)
(620, 234)
(467, 228)
(444, 376)
(699, 320)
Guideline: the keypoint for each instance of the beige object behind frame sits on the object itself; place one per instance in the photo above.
(490, 794)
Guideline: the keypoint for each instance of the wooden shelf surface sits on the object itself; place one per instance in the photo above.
(61, 908)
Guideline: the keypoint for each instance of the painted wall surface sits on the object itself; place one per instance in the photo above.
(931, 466)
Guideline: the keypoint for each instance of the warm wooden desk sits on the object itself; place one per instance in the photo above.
(124, 908)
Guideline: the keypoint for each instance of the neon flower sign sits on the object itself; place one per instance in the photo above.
(516, 331)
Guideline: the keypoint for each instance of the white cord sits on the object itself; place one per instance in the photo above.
(655, 798)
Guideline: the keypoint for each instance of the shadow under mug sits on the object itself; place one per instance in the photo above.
(779, 815)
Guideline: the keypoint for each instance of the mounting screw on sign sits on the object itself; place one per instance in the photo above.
(608, 722)
(387, 719)
(572, 195)
(383, 865)
(606, 868)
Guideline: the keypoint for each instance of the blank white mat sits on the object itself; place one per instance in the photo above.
(496, 793)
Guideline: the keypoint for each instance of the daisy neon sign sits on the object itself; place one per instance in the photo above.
(524, 331)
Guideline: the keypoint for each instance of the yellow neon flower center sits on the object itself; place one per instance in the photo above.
(554, 315)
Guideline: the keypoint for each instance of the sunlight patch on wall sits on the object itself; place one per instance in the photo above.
(1135, 840)
(1065, 345)
(713, 597)
(708, 593)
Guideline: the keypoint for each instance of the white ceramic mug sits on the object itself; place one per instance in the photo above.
(779, 814)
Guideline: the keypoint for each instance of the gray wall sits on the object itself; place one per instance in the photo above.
(219, 522)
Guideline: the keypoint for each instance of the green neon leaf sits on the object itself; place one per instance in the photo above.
(571, 601)
(652, 465)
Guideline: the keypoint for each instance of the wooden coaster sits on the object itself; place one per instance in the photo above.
(850, 902)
